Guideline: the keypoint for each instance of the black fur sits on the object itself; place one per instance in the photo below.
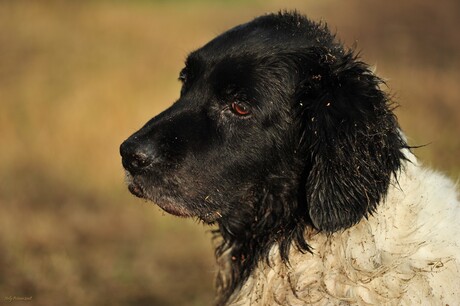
(315, 151)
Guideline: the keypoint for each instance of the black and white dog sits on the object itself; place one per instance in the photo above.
(285, 140)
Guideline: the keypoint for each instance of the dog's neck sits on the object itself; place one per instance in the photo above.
(277, 217)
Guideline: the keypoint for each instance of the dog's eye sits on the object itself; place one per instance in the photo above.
(240, 109)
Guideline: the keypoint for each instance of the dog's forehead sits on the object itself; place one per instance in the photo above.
(267, 35)
(249, 38)
(229, 45)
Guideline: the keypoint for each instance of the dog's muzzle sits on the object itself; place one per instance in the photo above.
(136, 156)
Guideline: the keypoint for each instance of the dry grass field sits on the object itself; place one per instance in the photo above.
(78, 77)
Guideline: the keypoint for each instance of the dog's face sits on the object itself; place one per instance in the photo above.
(272, 108)
(230, 128)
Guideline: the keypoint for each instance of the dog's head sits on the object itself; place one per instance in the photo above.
(276, 122)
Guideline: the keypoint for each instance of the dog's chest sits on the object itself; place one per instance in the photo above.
(406, 253)
(345, 268)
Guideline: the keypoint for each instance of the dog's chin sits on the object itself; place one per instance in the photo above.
(166, 203)
(134, 185)
(136, 190)
(174, 209)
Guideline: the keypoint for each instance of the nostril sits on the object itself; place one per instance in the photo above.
(140, 160)
(135, 156)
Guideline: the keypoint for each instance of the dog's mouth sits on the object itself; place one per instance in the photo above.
(165, 202)
(136, 190)
(134, 186)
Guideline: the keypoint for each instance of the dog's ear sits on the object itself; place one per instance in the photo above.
(351, 138)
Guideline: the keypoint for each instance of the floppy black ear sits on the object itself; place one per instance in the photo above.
(351, 139)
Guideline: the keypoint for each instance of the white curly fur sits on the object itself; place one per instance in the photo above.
(406, 253)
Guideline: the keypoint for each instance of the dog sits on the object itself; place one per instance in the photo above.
(285, 141)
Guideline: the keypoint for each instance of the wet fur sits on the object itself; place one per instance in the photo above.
(299, 180)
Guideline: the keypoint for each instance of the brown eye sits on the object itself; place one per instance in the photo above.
(240, 109)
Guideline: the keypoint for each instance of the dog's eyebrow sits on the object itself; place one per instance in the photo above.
(193, 61)
(193, 66)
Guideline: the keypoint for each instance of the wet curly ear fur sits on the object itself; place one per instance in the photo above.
(351, 138)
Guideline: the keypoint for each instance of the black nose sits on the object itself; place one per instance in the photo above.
(136, 156)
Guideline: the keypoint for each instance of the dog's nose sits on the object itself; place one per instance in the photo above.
(135, 156)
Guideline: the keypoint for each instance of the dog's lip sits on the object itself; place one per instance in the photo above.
(133, 185)
(174, 209)
(165, 203)
(136, 189)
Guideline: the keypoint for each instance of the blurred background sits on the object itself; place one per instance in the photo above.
(78, 77)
